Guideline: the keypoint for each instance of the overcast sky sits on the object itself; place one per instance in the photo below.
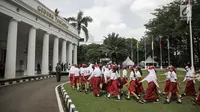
(126, 17)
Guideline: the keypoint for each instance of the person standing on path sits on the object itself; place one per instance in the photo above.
(58, 72)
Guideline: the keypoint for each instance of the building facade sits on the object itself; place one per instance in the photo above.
(32, 34)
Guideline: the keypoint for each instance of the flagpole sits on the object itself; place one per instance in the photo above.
(191, 39)
(145, 54)
(161, 53)
(137, 54)
(168, 52)
(152, 52)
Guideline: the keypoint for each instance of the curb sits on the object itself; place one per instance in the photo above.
(68, 106)
(8, 82)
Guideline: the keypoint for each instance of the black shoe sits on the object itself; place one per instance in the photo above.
(118, 99)
(141, 102)
(86, 92)
(107, 97)
(183, 94)
(178, 102)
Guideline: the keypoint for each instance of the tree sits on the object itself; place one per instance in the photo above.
(114, 47)
(81, 23)
(168, 24)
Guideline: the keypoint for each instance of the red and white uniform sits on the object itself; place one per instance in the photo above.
(76, 75)
(167, 82)
(189, 88)
(96, 80)
(84, 74)
(133, 83)
(71, 75)
(173, 84)
(124, 77)
(114, 84)
(151, 92)
(90, 71)
(106, 84)
(139, 78)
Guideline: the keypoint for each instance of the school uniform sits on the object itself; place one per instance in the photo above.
(96, 80)
(151, 91)
(76, 75)
(173, 84)
(189, 88)
(133, 83)
(167, 82)
(139, 78)
(114, 84)
(106, 84)
(71, 75)
(124, 77)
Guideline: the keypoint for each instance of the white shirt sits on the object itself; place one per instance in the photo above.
(71, 71)
(138, 74)
(188, 75)
(83, 71)
(124, 73)
(96, 73)
(151, 77)
(89, 70)
(114, 76)
(132, 77)
(172, 76)
(168, 75)
(76, 72)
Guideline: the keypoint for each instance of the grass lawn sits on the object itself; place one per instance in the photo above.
(89, 103)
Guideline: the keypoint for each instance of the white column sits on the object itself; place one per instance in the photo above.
(31, 52)
(64, 52)
(10, 67)
(55, 53)
(75, 54)
(45, 54)
(70, 53)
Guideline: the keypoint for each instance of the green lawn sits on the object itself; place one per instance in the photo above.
(89, 103)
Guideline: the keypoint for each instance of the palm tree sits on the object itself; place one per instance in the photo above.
(114, 46)
(81, 23)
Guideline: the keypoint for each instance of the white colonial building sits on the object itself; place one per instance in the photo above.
(30, 33)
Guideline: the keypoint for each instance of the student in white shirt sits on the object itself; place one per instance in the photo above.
(77, 78)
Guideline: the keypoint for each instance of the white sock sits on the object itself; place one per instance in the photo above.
(128, 96)
(168, 100)
(118, 96)
(179, 100)
(108, 95)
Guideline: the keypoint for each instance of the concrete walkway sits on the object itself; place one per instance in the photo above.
(36, 96)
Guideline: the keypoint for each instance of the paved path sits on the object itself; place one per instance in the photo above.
(36, 96)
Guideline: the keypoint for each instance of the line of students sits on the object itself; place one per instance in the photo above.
(108, 79)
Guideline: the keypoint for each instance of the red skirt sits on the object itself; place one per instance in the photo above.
(71, 77)
(106, 86)
(189, 88)
(124, 80)
(114, 87)
(133, 87)
(91, 81)
(85, 79)
(76, 79)
(96, 85)
(102, 79)
(140, 87)
(167, 84)
(151, 92)
(120, 83)
(173, 87)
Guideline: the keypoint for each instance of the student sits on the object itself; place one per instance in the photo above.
(189, 88)
(96, 80)
(114, 90)
(76, 78)
(124, 75)
(151, 91)
(106, 84)
(173, 86)
(133, 87)
(71, 76)
(85, 77)
(89, 72)
(58, 72)
(139, 78)
(196, 101)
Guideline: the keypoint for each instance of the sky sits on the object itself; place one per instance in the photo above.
(125, 17)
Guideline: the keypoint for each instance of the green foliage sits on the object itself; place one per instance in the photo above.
(168, 24)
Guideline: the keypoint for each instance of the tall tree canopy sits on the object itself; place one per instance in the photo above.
(168, 24)
(81, 23)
